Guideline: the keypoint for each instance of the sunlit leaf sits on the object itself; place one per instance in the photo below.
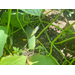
(42, 60)
(31, 39)
(14, 60)
(3, 37)
(35, 12)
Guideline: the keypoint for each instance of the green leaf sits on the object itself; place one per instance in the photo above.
(35, 12)
(14, 21)
(39, 47)
(43, 60)
(3, 37)
(14, 60)
(31, 39)
(4, 18)
(70, 14)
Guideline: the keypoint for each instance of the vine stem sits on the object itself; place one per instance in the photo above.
(50, 23)
(65, 40)
(50, 40)
(53, 25)
(8, 50)
(9, 17)
(55, 46)
(59, 36)
(72, 61)
(48, 12)
(20, 23)
(43, 46)
(8, 27)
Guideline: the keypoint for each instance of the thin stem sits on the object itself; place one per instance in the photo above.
(60, 53)
(59, 36)
(15, 31)
(65, 40)
(20, 23)
(50, 40)
(8, 50)
(24, 46)
(8, 25)
(50, 23)
(54, 45)
(48, 12)
(23, 17)
(53, 25)
(54, 59)
(43, 46)
(9, 17)
(72, 61)
(46, 34)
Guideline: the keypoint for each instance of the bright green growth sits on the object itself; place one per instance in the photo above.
(40, 48)
(14, 60)
(31, 39)
(17, 50)
(11, 41)
(72, 61)
(3, 37)
(35, 12)
(43, 60)
(70, 12)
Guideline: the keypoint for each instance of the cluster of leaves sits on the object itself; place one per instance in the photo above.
(20, 19)
(11, 19)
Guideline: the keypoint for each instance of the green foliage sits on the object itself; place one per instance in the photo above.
(70, 13)
(3, 37)
(14, 60)
(4, 19)
(35, 12)
(31, 39)
(17, 50)
(27, 18)
(42, 60)
(40, 49)
(14, 21)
